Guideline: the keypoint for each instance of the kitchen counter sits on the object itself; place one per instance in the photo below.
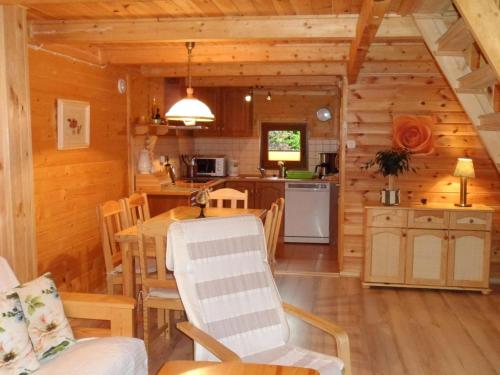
(185, 188)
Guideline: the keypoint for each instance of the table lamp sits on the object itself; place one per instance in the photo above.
(464, 170)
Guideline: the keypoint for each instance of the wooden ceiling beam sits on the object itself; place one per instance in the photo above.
(266, 81)
(250, 69)
(226, 53)
(371, 16)
(328, 27)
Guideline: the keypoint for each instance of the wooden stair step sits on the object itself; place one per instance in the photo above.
(456, 40)
(477, 80)
(490, 121)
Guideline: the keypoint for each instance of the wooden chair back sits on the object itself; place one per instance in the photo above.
(137, 208)
(112, 219)
(151, 244)
(272, 229)
(232, 195)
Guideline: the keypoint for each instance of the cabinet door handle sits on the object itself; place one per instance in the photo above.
(387, 218)
(446, 237)
(471, 221)
(429, 219)
(404, 234)
(452, 237)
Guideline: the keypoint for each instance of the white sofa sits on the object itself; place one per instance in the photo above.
(117, 354)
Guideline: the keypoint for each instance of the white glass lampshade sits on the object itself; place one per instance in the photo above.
(464, 168)
(190, 110)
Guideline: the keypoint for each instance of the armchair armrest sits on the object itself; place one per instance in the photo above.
(208, 342)
(118, 310)
(338, 333)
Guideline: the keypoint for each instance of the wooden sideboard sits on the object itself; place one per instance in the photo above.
(428, 246)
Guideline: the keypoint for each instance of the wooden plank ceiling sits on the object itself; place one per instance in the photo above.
(234, 37)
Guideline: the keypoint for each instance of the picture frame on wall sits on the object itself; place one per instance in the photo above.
(73, 124)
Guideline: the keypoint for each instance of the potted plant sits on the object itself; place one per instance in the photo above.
(391, 163)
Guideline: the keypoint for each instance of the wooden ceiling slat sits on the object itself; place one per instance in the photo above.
(283, 7)
(208, 8)
(266, 81)
(250, 69)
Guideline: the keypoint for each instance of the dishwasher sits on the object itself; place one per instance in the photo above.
(307, 212)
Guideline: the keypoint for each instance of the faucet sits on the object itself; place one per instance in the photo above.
(262, 172)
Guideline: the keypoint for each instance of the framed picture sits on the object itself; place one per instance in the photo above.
(73, 124)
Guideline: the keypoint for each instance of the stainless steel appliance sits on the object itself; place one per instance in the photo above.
(213, 166)
(307, 212)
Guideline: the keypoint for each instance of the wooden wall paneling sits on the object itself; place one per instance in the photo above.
(373, 101)
(76, 181)
(17, 224)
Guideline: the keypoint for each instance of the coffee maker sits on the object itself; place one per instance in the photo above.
(328, 164)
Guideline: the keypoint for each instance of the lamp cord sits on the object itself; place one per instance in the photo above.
(190, 46)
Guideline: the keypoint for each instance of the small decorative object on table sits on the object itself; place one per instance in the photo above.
(282, 169)
(391, 163)
(201, 200)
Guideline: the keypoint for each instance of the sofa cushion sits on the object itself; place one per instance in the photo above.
(102, 356)
(49, 330)
(16, 352)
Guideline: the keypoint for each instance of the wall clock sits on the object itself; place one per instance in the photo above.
(324, 114)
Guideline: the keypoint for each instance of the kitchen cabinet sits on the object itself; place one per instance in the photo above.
(267, 193)
(426, 256)
(385, 260)
(469, 258)
(427, 248)
(211, 97)
(236, 113)
(242, 186)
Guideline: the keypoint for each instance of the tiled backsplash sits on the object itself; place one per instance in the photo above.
(245, 150)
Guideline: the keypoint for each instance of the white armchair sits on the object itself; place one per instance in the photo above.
(234, 309)
(114, 352)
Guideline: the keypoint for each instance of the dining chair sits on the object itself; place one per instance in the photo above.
(272, 230)
(159, 290)
(136, 208)
(226, 194)
(232, 303)
(112, 219)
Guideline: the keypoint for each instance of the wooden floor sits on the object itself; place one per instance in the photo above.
(391, 331)
(293, 258)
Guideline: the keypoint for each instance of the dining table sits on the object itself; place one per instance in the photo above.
(127, 238)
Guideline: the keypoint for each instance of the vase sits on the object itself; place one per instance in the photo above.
(390, 196)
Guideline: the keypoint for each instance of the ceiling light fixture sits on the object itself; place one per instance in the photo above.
(190, 110)
(269, 97)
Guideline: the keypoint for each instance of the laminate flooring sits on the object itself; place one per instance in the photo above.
(294, 258)
(392, 331)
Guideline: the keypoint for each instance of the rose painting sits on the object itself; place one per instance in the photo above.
(413, 133)
(73, 124)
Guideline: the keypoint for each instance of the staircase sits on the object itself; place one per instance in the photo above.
(474, 81)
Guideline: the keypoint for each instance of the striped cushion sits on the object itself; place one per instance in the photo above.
(225, 283)
(289, 355)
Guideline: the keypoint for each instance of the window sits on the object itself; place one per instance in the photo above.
(286, 142)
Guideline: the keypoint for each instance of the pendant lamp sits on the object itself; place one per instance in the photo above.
(190, 110)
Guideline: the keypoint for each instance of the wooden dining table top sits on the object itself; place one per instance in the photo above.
(160, 223)
(233, 368)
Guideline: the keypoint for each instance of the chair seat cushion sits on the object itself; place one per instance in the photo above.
(164, 293)
(100, 356)
(151, 267)
(289, 355)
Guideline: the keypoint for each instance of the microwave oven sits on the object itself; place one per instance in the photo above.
(213, 166)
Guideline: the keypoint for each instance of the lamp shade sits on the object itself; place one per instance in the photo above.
(190, 110)
(464, 168)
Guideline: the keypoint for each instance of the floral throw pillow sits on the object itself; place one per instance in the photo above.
(16, 352)
(48, 327)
